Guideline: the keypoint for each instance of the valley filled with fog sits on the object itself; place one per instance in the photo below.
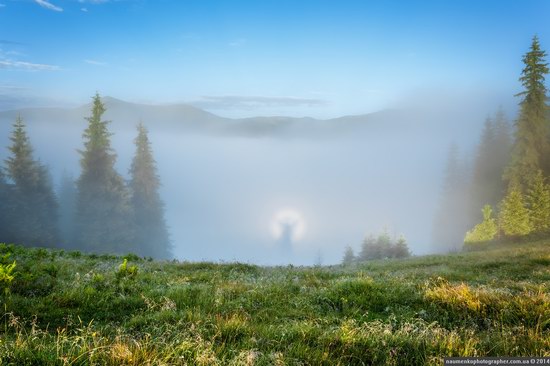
(226, 182)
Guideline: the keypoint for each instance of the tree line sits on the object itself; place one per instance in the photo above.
(381, 247)
(505, 193)
(98, 212)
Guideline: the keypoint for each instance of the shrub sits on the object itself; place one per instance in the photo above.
(132, 257)
(125, 271)
(7, 276)
(75, 254)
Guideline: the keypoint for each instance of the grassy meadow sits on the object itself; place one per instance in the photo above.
(68, 308)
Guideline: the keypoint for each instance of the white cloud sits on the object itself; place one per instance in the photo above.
(95, 62)
(23, 65)
(48, 5)
(84, 10)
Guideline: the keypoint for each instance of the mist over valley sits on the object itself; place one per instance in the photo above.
(225, 179)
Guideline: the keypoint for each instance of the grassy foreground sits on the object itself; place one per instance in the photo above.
(65, 308)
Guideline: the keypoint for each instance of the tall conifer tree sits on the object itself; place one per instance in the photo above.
(452, 216)
(152, 237)
(103, 212)
(532, 128)
(6, 211)
(35, 208)
(493, 155)
(483, 179)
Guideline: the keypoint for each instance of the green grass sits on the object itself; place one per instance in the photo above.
(67, 308)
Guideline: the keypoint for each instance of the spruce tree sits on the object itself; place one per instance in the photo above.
(6, 211)
(502, 145)
(501, 154)
(400, 248)
(514, 215)
(531, 150)
(493, 155)
(349, 256)
(103, 212)
(538, 203)
(483, 178)
(367, 249)
(382, 248)
(3, 207)
(379, 248)
(151, 233)
(484, 231)
(453, 215)
(34, 210)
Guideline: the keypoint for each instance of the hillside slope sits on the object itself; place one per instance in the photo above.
(70, 308)
(185, 118)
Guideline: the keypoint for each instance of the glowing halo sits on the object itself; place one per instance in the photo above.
(289, 221)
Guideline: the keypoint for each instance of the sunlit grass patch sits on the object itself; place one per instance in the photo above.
(456, 297)
(490, 306)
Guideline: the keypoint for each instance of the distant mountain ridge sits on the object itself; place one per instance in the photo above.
(180, 118)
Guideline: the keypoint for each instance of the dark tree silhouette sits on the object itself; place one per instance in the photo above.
(34, 205)
(151, 237)
(452, 217)
(103, 212)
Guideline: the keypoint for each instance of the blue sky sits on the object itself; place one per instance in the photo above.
(241, 58)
